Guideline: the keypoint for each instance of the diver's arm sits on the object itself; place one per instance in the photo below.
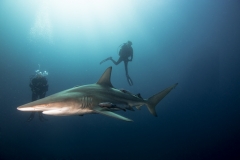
(45, 85)
(46, 88)
(31, 85)
(131, 55)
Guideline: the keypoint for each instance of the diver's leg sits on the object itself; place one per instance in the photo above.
(130, 82)
(120, 59)
(126, 67)
(34, 98)
(105, 60)
(40, 115)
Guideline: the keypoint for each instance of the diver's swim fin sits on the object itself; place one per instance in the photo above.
(41, 118)
(130, 82)
(30, 118)
(105, 60)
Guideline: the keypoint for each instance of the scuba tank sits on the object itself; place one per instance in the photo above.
(120, 48)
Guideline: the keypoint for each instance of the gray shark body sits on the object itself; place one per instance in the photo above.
(100, 98)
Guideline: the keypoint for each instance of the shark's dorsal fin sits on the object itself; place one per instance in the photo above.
(105, 79)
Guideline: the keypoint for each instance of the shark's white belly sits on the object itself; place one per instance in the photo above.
(66, 108)
(67, 111)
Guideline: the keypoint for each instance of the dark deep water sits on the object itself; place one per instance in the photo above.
(195, 43)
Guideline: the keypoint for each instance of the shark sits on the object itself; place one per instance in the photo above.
(99, 98)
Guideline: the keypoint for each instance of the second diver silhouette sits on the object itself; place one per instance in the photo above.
(39, 87)
(125, 52)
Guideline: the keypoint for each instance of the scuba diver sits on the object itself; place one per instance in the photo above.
(125, 52)
(39, 87)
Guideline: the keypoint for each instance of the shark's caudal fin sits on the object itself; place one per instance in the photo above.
(155, 99)
(105, 79)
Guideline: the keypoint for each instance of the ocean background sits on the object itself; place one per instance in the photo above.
(195, 43)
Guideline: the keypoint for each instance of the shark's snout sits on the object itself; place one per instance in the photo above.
(30, 107)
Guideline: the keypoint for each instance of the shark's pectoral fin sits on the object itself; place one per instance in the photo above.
(111, 114)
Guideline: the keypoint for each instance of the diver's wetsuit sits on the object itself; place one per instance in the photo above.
(39, 87)
(125, 52)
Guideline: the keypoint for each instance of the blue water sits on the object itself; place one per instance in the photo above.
(194, 43)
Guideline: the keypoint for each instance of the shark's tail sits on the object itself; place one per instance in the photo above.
(155, 99)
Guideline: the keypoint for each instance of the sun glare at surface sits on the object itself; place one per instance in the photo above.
(42, 27)
(92, 14)
(87, 18)
(80, 22)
